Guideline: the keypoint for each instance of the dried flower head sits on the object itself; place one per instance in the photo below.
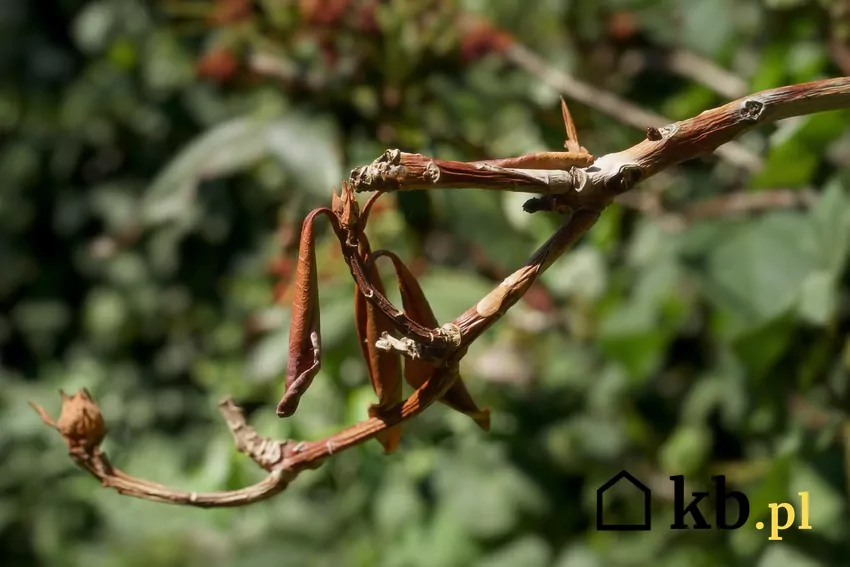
(80, 422)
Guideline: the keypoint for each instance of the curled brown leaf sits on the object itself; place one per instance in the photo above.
(305, 339)
(418, 371)
(384, 367)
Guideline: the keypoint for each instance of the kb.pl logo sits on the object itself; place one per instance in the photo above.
(688, 515)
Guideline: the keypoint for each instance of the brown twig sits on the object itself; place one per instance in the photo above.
(691, 66)
(399, 171)
(583, 192)
(587, 191)
(82, 428)
(610, 175)
(711, 129)
(742, 202)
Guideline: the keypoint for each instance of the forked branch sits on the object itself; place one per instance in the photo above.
(570, 182)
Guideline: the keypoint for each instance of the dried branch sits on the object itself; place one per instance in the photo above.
(585, 192)
(399, 171)
(711, 129)
(610, 175)
(582, 188)
(82, 427)
(689, 65)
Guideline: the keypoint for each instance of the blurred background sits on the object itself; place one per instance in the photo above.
(158, 157)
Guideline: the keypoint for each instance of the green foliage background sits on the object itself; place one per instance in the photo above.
(139, 210)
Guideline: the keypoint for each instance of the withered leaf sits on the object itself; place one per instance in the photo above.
(346, 208)
(384, 367)
(416, 372)
(305, 338)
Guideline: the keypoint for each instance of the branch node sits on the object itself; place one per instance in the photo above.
(653, 134)
(538, 204)
(752, 110)
(378, 174)
(668, 131)
(404, 345)
(452, 333)
(626, 178)
(431, 173)
(80, 422)
(547, 204)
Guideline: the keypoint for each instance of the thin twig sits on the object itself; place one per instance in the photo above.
(743, 202)
(711, 129)
(587, 191)
(689, 65)
(733, 204)
(284, 459)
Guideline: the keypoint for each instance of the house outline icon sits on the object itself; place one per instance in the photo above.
(647, 494)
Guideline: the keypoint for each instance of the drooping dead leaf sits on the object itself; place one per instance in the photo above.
(384, 367)
(305, 338)
(417, 371)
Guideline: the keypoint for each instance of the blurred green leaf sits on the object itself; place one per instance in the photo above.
(92, 26)
(269, 357)
(452, 292)
(223, 150)
(529, 550)
(796, 150)
(819, 298)
(786, 556)
(759, 348)
(759, 272)
(579, 555)
(308, 149)
(685, 451)
(831, 221)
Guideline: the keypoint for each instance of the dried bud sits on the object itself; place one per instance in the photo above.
(80, 422)
(345, 207)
